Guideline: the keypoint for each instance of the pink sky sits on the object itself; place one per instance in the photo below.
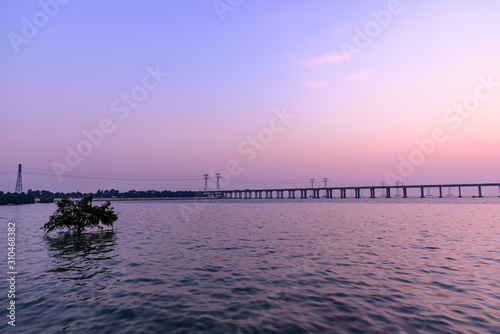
(355, 115)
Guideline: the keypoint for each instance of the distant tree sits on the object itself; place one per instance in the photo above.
(77, 216)
(47, 199)
(15, 198)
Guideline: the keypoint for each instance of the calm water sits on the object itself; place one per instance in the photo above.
(263, 266)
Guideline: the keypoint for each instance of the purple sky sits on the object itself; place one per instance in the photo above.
(152, 95)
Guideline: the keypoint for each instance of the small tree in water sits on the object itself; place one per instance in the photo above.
(76, 216)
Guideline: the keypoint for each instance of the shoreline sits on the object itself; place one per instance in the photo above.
(123, 199)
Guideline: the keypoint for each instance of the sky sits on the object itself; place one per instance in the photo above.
(155, 94)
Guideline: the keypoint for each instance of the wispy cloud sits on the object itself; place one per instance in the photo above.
(360, 75)
(339, 30)
(313, 84)
(335, 57)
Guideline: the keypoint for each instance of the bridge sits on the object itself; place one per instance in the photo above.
(329, 192)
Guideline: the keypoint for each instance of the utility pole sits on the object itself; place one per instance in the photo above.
(312, 182)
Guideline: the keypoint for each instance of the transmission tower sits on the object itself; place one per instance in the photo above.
(325, 180)
(19, 183)
(397, 189)
(205, 177)
(217, 177)
(312, 182)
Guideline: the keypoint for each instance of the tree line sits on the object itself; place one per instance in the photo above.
(45, 196)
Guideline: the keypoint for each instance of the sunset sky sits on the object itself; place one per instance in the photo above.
(270, 92)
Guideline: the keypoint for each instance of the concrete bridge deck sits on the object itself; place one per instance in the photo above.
(384, 191)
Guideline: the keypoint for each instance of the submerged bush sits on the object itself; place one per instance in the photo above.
(77, 216)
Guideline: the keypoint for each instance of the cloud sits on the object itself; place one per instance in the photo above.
(335, 57)
(339, 30)
(360, 75)
(313, 84)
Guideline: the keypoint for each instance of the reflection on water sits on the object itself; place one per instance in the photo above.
(269, 266)
(80, 257)
(80, 275)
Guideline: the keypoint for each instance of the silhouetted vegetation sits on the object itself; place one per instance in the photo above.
(146, 194)
(15, 198)
(44, 196)
(76, 216)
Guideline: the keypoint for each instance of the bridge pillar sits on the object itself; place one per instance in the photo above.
(291, 194)
(357, 193)
(405, 195)
(440, 192)
(329, 193)
(342, 193)
(480, 193)
(388, 192)
(422, 192)
(459, 192)
(372, 192)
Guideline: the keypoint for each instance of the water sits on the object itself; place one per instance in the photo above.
(263, 266)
